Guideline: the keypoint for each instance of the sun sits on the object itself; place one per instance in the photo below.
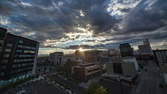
(81, 49)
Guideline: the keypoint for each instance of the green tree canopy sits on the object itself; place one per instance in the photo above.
(95, 88)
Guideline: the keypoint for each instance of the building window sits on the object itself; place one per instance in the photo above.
(7, 50)
(18, 51)
(21, 41)
(9, 45)
(6, 55)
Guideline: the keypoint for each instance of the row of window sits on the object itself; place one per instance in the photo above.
(22, 56)
(23, 60)
(21, 69)
(18, 60)
(8, 50)
(5, 82)
(32, 52)
(21, 65)
(9, 45)
(27, 47)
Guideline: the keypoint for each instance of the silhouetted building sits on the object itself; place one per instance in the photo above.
(145, 48)
(126, 50)
(145, 51)
(91, 55)
(44, 65)
(56, 58)
(17, 57)
(115, 56)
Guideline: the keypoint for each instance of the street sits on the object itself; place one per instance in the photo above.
(42, 87)
(149, 81)
(37, 87)
(68, 84)
(115, 87)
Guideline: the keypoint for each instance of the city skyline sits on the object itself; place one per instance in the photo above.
(62, 24)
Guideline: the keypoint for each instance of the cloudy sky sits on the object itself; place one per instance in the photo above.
(95, 23)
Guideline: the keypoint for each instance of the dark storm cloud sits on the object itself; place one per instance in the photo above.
(50, 19)
(146, 18)
(5, 7)
(38, 16)
(101, 20)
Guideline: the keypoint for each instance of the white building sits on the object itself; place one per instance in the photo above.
(130, 66)
(127, 66)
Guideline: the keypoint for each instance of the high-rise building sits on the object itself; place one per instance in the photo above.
(17, 57)
(126, 50)
(145, 49)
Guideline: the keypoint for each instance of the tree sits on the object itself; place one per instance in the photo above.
(92, 87)
(95, 88)
(101, 90)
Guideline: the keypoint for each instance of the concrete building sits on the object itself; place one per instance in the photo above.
(130, 66)
(85, 71)
(114, 68)
(17, 57)
(56, 58)
(124, 64)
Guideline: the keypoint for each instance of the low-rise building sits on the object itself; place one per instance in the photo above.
(86, 71)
